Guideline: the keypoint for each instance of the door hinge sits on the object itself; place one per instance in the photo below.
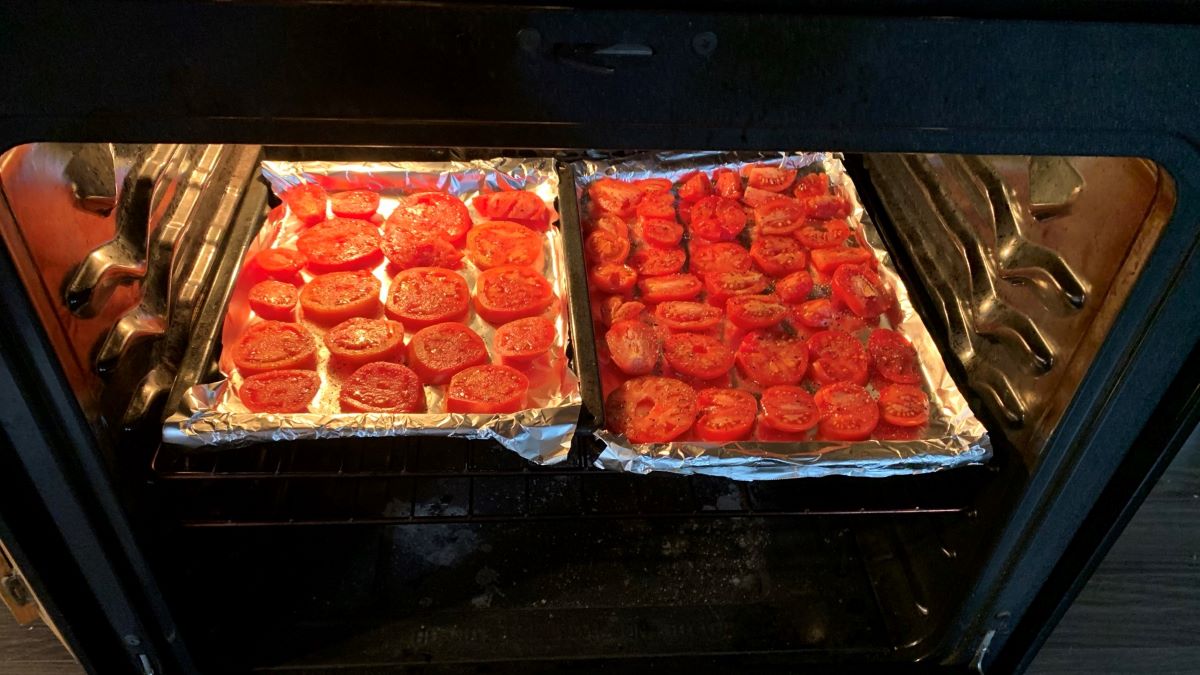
(16, 594)
(981, 651)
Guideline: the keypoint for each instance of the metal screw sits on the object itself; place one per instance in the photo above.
(704, 43)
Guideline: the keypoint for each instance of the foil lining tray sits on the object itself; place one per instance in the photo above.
(211, 417)
(953, 437)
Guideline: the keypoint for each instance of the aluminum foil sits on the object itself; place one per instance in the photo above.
(212, 416)
(953, 437)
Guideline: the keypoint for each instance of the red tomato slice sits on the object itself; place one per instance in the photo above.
(829, 259)
(904, 405)
(725, 414)
(354, 204)
(517, 206)
(280, 263)
(340, 244)
(861, 290)
(770, 178)
(503, 294)
(613, 278)
(754, 197)
(795, 287)
(274, 300)
(755, 311)
(433, 212)
(279, 391)
(498, 242)
(684, 211)
(682, 315)
(523, 340)
(335, 297)
(657, 262)
(822, 314)
(812, 185)
(604, 246)
(697, 355)
(717, 219)
(604, 308)
(424, 296)
(613, 196)
(894, 356)
(779, 216)
(657, 205)
(627, 311)
(439, 351)
(825, 207)
(789, 409)
(407, 249)
(634, 345)
(890, 432)
(612, 224)
(770, 358)
(778, 256)
(651, 409)
(670, 287)
(661, 233)
(487, 389)
(728, 182)
(649, 186)
(848, 413)
(720, 257)
(274, 345)
(383, 387)
(307, 202)
(823, 233)
(838, 356)
(694, 187)
(724, 285)
(357, 341)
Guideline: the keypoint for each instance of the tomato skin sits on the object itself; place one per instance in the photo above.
(904, 405)
(354, 204)
(274, 345)
(517, 206)
(279, 391)
(651, 409)
(694, 187)
(487, 389)
(724, 285)
(861, 290)
(337, 296)
(717, 219)
(359, 341)
(779, 216)
(635, 347)
(657, 262)
(382, 387)
(603, 246)
(521, 341)
(698, 355)
(424, 296)
(669, 287)
(340, 244)
(829, 259)
(724, 414)
(769, 358)
(825, 207)
(816, 234)
(274, 300)
(789, 409)
(755, 311)
(657, 205)
(795, 287)
(728, 183)
(770, 178)
(778, 256)
(838, 356)
(503, 294)
(499, 242)
(613, 196)
(307, 202)
(406, 249)
(437, 352)
(283, 264)
(812, 185)
(661, 233)
(894, 356)
(848, 413)
(433, 213)
(720, 257)
(686, 316)
(613, 278)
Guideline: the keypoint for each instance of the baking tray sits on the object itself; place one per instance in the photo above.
(210, 417)
(954, 436)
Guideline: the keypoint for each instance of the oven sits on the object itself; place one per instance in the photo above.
(1033, 176)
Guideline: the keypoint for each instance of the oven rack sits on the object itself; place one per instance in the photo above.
(422, 480)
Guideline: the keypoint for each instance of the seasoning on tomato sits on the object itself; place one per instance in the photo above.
(848, 413)
(894, 356)
(724, 414)
(604, 246)
(283, 264)
(340, 244)
(795, 287)
(279, 391)
(382, 387)
(518, 206)
(406, 248)
(755, 311)
(770, 358)
(354, 204)
(779, 216)
(651, 409)
(694, 187)
(697, 355)
(306, 201)
(789, 408)
(838, 356)
(670, 287)
(613, 196)
(498, 242)
(437, 352)
(657, 205)
(613, 278)
(821, 314)
(424, 296)
(656, 262)
(829, 259)
(753, 196)
(826, 206)
(778, 256)
(487, 389)
(660, 232)
(717, 219)
(812, 185)
(337, 296)
(728, 183)
(770, 178)
(724, 285)
(503, 294)
(274, 345)
(719, 257)
(634, 345)
(861, 290)
(434, 213)
(357, 341)
(612, 224)
(904, 405)
(683, 315)
(273, 299)
(521, 341)
(649, 186)
(627, 311)
(816, 234)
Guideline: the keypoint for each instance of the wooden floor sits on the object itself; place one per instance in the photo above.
(1140, 613)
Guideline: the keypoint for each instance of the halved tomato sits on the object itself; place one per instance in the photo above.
(612, 224)
(306, 201)
(682, 315)
(816, 234)
(812, 185)
(848, 413)
(521, 341)
(273, 299)
(657, 205)
(670, 287)
(335, 297)
(439, 351)
(904, 405)
(499, 242)
(634, 345)
(753, 197)
(649, 186)
(770, 358)
(661, 233)
(405, 249)
(724, 285)
(789, 409)
(694, 187)
(357, 341)
(517, 206)
(614, 196)
(627, 311)
(503, 294)
(720, 257)
(755, 311)
(829, 259)
(778, 256)
(838, 357)
(340, 244)
(697, 355)
(605, 246)
(770, 178)
(894, 356)
(382, 387)
(779, 216)
(717, 219)
(613, 278)
(424, 296)
(725, 414)
(354, 204)
(861, 290)
(432, 212)
(822, 314)
(280, 263)
(795, 287)
(274, 345)
(728, 183)
(487, 389)
(656, 262)
(279, 391)
(651, 409)
(825, 207)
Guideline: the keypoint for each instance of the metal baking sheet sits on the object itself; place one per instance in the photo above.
(212, 416)
(953, 437)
